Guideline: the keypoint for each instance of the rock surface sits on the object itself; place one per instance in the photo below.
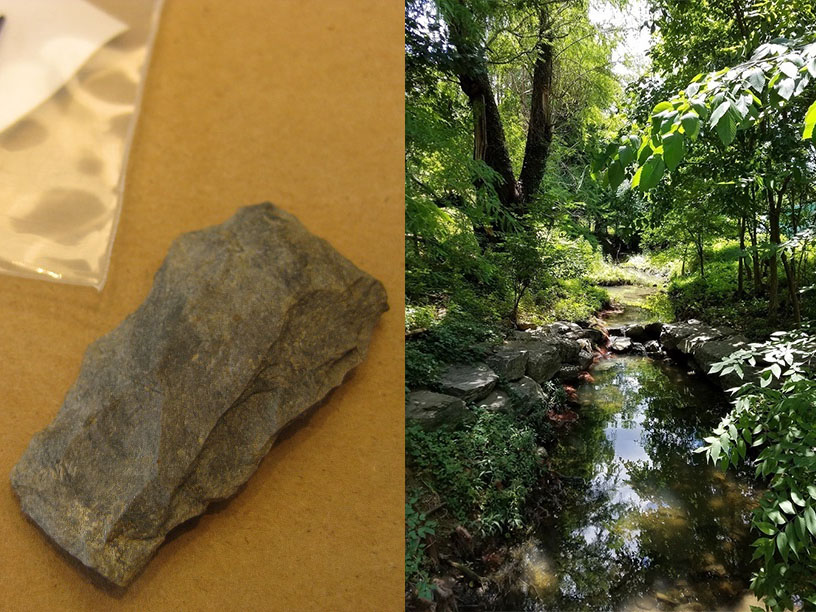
(248, 325)
(620, 344)
(508, 362)
(433, 411)
(526, 392)
(498, 401)
(471, 382)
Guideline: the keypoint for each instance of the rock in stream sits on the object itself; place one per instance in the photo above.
(248, 325)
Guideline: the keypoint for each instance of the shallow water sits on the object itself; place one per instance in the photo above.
(632, 298)
(644, 523)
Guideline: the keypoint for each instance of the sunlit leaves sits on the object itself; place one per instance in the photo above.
(810, 120)
(652, 172)
(691, 124)
(728, 100)
(755, 78)
(777, 414)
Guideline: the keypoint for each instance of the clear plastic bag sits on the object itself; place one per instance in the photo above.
(62, 166)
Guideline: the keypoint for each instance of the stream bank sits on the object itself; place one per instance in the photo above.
(632, 519)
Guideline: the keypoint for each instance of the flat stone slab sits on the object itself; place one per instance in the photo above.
(433, 411)
(509, 362)
(471, 382)
(247, 326)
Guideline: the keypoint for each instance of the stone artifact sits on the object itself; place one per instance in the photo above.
(248, 325)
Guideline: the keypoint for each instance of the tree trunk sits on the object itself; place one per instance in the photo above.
(752, 232)
(775, 238)
(793, 290)
(540, 129)
(741, 273)
(489, 142)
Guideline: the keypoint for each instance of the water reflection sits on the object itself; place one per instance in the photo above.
(645, 523)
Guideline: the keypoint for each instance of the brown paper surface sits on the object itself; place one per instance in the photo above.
(298, 102)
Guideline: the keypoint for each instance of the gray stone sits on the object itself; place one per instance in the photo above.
(672, 335)
(585, 359)
(637, 348)
(700, 336)
(543, 361)
(508, 362)
(708, 353)
(498, 401)
(562, 327)
(248, 325)
(595, 336)
(652, 347)
(568, 349)
(525, 393)
(617, 331)
(471, 382)
(570, 373)
(433, 411)
(636, 332)
(620, 344)
(653, 330)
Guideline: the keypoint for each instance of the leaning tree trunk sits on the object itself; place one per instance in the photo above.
(490, 144)
(540, 129)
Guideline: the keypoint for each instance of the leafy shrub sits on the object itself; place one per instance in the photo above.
(457, 337)
(485, 471)
(660, 307)
(567, 300)
(419, 317)
(417, 528)
(420, 368)
(774, 423)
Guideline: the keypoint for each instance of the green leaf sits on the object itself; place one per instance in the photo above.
(785, 88)
(782, 545)
(626, 155)
(644, 153)
(766, 528)
(787, 507)
(652, 172)
(615, 174)
(691, 124)
(810, 121)
(674, 148)
(797, 499)
(810, 520)
(636, 178)
(727, 128)
(789, 69)
(776, 517)
(756, 79)
(719, 113)
(662, 106)
(811, 491)
(811, 67)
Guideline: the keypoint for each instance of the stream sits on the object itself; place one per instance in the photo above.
(643, 523)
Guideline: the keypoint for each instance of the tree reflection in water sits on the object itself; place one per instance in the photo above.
(645, 523)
